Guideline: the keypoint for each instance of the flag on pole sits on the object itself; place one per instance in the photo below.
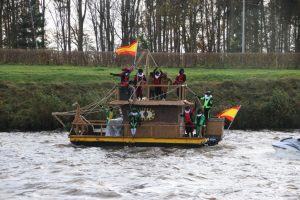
(229, 113)
(128, 50)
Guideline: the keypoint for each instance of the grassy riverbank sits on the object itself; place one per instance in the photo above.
(269, 98)
(89, 75)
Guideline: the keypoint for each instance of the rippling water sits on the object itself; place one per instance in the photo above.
(243, 166)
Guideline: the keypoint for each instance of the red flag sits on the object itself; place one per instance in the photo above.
(128, 50)
(229, 113)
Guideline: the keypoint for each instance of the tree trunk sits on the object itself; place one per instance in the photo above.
(81, 16)
(61, 11)
(93, 12)
(1, 17)
(297, 39)
(218, 27)
(212, 29)
(125, 6)
(164, 47)
(193, 28)
(158, 24)
(224, 29)
(43, 23)
(273, 26)
(69, 23)
(13, 27)
(149, 26)
(255, 30)
(208, 27)
(285, 35)
(182, 20)
(108, 26)
(101, 26)
(264, 29)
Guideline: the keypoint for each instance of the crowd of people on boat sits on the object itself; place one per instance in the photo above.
(195, 119)
(158, 81)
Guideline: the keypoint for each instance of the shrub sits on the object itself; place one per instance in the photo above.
(279, 110)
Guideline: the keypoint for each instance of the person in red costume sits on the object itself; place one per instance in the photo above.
(124, 75)
(139, 79)
(180, 79)
(157, 76)
(188, 121)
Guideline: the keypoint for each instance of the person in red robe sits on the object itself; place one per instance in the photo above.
(188, 121)
(124, 75)
(157, 76)
(139, 80)
(180, 79)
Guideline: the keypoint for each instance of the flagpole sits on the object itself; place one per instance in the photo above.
(230, 125)
(134, 59)
(233, 118)
(134, 62)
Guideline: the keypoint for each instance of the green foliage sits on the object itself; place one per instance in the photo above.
(266, 103)
(29, 27)
(144, 43)
(29, 94)
(280, 109)
(42, 107)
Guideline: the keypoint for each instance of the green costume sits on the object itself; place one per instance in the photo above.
(134, 120)
(109, 115)
(207, 103)
(199, 122)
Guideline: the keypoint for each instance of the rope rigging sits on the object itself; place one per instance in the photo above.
(194, 93)
(90, 108)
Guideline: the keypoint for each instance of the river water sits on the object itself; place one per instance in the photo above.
(243, 166)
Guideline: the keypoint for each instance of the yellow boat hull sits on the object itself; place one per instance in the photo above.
(137, 141)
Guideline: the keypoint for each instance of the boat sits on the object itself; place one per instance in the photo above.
(289, 144)
(161, 121)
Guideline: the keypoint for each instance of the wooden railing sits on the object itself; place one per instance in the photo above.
(168, 92)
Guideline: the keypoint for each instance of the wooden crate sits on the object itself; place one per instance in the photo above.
(215, 128)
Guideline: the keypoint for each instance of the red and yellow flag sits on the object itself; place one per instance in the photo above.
(229, 113)
(128, 50)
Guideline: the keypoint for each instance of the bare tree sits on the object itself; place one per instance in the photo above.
(1, 21)
(81, 7)
(129, 20)
(168, 25)
(101, 13)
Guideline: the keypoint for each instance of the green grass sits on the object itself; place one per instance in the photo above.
(270, 98)
(87, 75)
